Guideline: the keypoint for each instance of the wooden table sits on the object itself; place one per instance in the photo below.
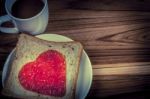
(115, 35)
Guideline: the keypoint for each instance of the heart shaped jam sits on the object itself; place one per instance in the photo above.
(46, 75)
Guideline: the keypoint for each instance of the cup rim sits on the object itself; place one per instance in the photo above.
(26, 19)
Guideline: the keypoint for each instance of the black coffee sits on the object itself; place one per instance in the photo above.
(26, 8)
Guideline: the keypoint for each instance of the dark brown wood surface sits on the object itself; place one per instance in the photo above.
(115, 35)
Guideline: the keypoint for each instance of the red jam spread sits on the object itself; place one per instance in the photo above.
(46, 75)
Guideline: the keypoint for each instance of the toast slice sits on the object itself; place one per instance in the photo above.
(25, 80)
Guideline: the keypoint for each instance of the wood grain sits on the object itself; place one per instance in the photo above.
(117, 43)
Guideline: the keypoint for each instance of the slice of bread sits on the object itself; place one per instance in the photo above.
(27, 50)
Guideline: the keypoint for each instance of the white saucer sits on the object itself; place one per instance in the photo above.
(85, 72)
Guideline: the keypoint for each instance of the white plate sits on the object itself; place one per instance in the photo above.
(85, 72)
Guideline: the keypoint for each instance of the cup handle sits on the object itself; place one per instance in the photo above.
(6, 18)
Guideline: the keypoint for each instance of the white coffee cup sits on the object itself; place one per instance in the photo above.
(33, 25)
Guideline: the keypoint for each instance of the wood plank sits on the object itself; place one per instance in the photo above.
(106, 85)
(141, 5)
(122, 69)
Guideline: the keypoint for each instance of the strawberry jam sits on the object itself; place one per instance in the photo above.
(46, 75)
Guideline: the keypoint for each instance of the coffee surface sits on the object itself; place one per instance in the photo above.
(26, 8)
